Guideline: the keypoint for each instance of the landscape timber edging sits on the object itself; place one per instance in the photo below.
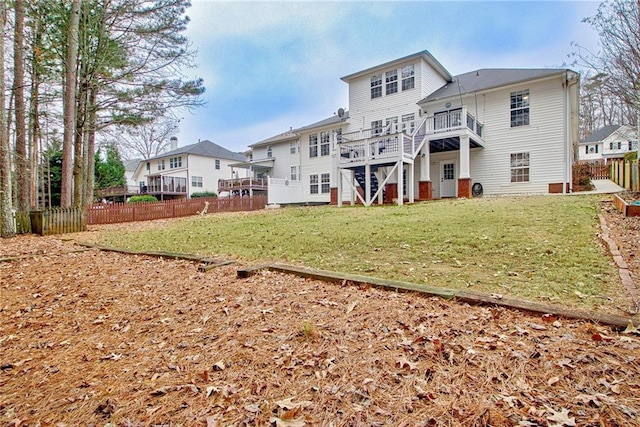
(475, 298)
(209, 263)
(470, 297)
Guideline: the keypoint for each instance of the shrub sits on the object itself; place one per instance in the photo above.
(631, 156)
(203, 194)
(144, 198)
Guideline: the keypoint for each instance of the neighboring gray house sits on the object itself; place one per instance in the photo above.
(186, 170)
(608, 142)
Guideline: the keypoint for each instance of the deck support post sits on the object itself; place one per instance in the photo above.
(367, 184)
(400, 183)
(464, 157)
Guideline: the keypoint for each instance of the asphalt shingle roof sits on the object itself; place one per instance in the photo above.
(489, 78)
(601, 133)
(205, 148)
(329, 121)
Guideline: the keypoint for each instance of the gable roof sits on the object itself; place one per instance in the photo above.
(335, 119)
(204, 148)
(601, 133)
(131, 165)
(489, 78)
(425, 54)
(285, 136)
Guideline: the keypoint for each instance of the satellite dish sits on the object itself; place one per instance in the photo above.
(340, 112)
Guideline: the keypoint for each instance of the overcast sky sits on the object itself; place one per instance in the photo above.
(269, 66)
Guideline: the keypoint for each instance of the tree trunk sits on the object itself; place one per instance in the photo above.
(21, 160)
(34, 120)
(69, 105)
(7, 228)
(91, 147)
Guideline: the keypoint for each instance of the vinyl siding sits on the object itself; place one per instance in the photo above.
(363, 110)
(283, 159)
(316, 165)
(543, 138)
(205, 167)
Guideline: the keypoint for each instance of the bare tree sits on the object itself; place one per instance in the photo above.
(618, 62)
(147, 140)
(7, 228)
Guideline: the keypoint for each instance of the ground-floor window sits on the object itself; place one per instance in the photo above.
(313, 184)
(325, 180)
(294, 173)
(520, 167)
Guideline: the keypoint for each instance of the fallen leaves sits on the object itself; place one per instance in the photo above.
(171, 345)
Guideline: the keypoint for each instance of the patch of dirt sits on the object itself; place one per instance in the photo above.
(90, 338)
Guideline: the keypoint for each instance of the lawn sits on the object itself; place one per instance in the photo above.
(542, 248)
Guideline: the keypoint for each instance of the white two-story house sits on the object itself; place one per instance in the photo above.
(182, 171)
(608, 142)
(415, 132)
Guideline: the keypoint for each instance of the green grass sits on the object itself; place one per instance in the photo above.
(542, 248)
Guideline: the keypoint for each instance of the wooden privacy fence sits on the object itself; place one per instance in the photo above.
(127, 212)
(52, 221)
(626, 174)
(599, 171)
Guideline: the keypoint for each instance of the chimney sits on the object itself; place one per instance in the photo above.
(174, 143)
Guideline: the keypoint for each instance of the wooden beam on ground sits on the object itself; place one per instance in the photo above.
(474, 298)
(207, 267)
(160, 254)
(244, 273)
(41, 254)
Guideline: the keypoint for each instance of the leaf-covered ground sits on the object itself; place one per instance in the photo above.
(92, 338)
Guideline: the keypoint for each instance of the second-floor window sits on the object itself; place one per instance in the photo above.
(269, 152)
(520, 108)
(376, 127)
(293, 147)
(196, 181)
(591, 149)
(175, 162)
(391, 125)
(408, 81)
(324, 143)
(391, 78)
(313, 145)
(376, 86)
(408, 123)
(615, 145)
(160, 165)
(217, 164)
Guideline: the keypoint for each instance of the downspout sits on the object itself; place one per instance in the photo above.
(188, 183)
(566, 134)
(568, 160)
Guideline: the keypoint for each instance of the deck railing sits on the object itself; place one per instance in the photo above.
(395, 141)
(239, 183)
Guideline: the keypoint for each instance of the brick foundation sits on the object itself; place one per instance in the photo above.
(390, 192)
(555, 188)
(464, 187)
(425, 190)
(334, 196)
